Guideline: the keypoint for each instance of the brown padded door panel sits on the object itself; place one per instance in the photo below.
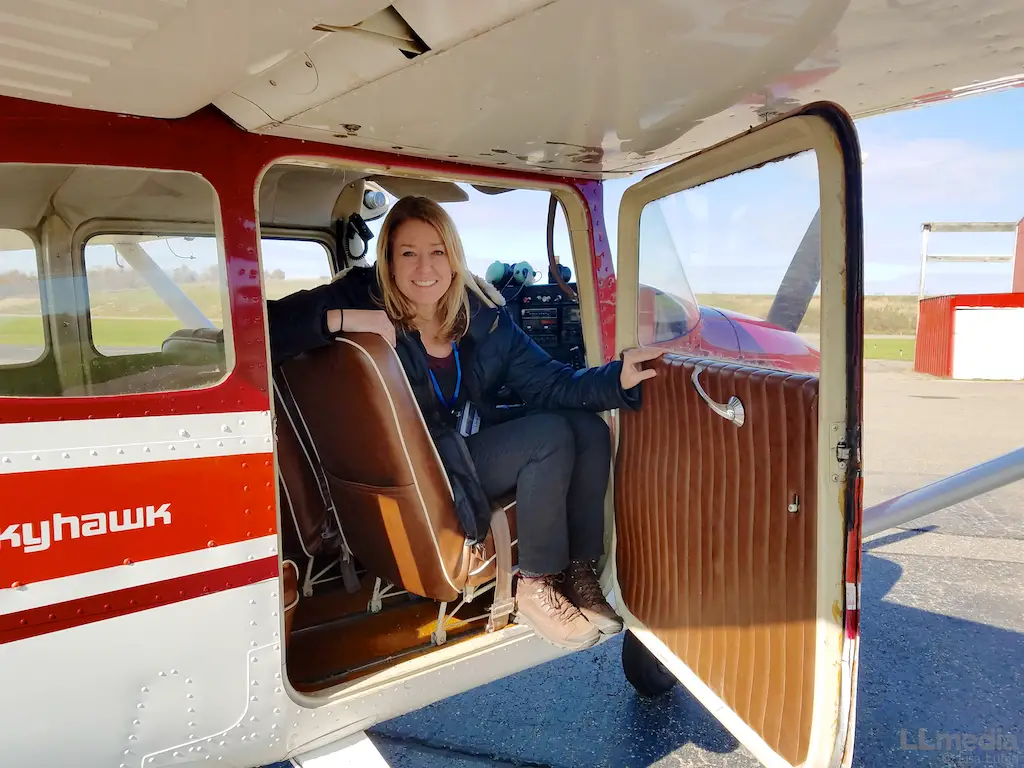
(709, 557)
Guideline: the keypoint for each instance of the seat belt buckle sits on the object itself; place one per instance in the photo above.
(500, 609)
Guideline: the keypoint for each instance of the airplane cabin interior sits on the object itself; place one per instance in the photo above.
(382, 572)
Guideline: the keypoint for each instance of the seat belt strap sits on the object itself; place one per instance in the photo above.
(503, 604)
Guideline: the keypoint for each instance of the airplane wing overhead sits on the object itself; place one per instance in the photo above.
(589, 87)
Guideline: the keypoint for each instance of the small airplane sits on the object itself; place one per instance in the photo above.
(207, 559)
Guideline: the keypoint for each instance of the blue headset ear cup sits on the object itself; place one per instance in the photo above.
(498, 273)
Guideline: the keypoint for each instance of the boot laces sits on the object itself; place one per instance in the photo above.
(554, 600)
(587, 585)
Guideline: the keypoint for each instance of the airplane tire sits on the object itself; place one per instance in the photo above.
(643, 671)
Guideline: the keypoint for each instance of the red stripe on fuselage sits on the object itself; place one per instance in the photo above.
(87, 610)
(192, 504)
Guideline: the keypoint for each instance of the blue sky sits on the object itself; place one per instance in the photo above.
(958, 160)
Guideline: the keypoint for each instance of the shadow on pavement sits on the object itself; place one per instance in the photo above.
(574, 711)
(918, 670)
(925, 670)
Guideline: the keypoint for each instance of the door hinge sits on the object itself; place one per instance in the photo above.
(842, 452)
(840, 456)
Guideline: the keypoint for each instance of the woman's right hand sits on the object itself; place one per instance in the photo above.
(369, 321)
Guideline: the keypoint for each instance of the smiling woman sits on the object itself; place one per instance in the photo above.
(458, 346)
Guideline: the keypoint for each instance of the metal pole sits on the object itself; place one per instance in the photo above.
(183, 307)
(951, 490)
(925, 229)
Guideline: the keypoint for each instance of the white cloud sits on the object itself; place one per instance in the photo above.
(928, 170)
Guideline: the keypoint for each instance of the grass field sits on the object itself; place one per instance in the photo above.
(138, 318)
(883, 315)
(889, 348)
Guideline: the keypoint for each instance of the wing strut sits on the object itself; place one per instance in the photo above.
(951, 490)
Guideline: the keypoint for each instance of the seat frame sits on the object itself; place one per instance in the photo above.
(503, 603)
(474, 560)
(346, 560)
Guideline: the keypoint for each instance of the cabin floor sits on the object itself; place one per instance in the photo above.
(335, 639)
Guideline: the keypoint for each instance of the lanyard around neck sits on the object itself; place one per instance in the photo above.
(449, 404)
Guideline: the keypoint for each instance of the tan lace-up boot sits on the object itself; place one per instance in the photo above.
(541, 605)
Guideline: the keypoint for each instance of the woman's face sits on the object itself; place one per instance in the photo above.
(420, 262)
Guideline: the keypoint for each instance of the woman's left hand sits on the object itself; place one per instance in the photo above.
(632, 374)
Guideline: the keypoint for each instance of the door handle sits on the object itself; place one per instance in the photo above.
(731, 411)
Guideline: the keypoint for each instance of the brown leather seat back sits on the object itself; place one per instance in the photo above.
(306, 520)
(387, 481)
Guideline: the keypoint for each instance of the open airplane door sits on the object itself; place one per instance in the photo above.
(737, 484)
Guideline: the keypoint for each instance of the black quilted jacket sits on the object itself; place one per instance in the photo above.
(495, 353)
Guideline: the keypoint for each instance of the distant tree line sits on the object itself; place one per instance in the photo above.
(120, 278)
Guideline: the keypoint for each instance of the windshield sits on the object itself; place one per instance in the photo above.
(746, 245)
(670, 310)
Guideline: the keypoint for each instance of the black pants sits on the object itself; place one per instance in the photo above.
(558, 465)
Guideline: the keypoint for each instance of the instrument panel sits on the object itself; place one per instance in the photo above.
(551, 319)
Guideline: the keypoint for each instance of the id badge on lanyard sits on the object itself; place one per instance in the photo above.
(467, 418)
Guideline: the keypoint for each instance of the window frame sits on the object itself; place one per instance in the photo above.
(166, 227)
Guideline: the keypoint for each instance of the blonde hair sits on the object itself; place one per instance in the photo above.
(453, 307)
